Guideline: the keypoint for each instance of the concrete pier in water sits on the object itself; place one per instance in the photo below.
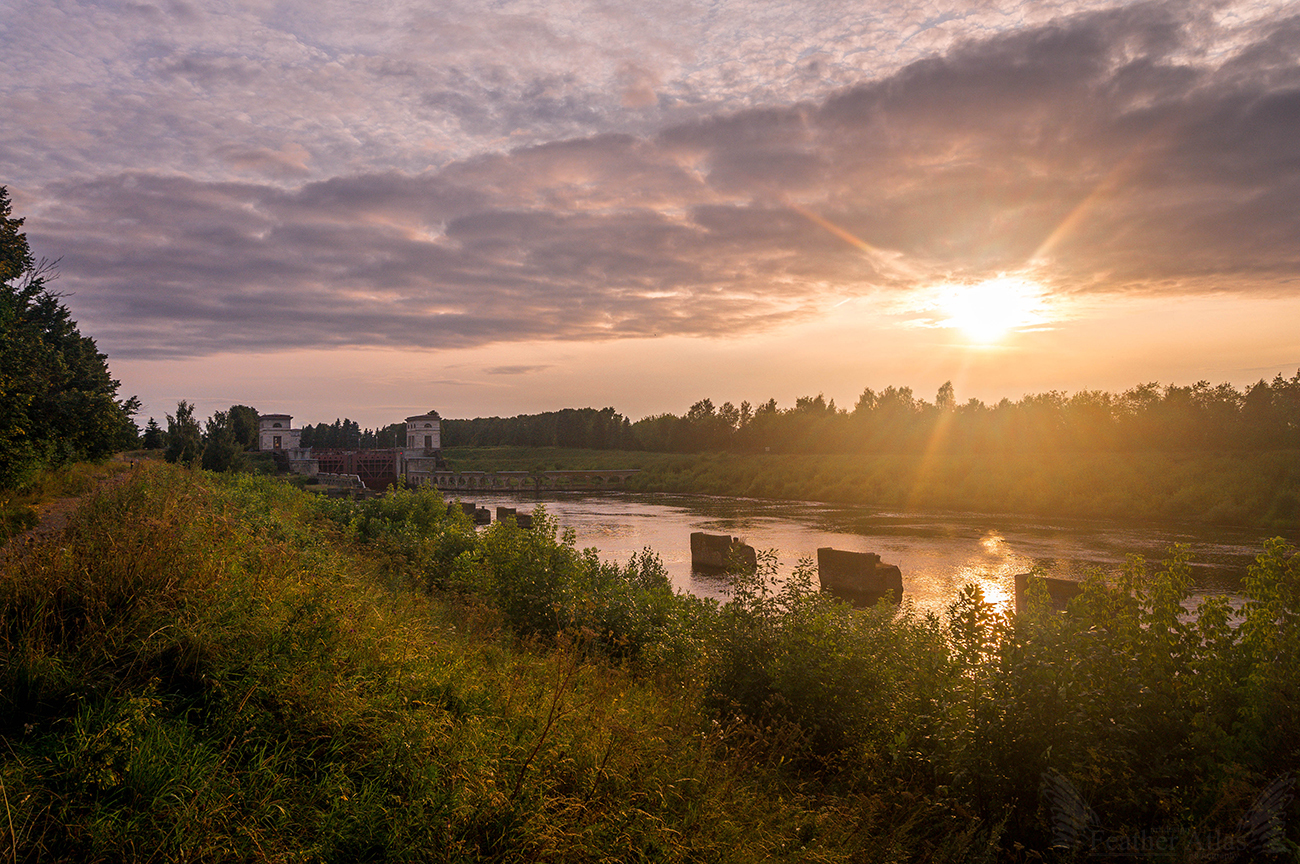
(859, 577)
(1059, 591)
(720, 551)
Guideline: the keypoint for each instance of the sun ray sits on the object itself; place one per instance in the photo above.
(884, 262)
(1096, 197)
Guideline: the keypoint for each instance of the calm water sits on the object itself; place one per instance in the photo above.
(937, 553)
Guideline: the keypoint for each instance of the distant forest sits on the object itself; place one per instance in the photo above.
(581, 428)
(1199, 417)
(348, 435)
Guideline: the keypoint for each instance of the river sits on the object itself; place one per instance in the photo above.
(938, 553)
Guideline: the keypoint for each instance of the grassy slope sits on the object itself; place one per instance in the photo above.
(1258, 490)
(201, 669)
(206, 667)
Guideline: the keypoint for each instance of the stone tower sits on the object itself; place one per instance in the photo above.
(423, 434)
(273, 432)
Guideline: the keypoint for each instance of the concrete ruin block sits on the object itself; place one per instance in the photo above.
(1059, 591)
(523, 520)
(859, 577)
(715, 551)
(482, 516)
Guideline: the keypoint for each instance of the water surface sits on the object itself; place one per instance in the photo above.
(938, 553)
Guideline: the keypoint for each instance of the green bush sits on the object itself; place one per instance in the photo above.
(802, 662)
(418, 540)
(222, 667)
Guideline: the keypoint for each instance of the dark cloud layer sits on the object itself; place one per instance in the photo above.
(1102, 152)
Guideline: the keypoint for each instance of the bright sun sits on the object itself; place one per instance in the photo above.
(988, 311)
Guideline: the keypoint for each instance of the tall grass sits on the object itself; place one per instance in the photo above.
(208, 667)
(20, 507)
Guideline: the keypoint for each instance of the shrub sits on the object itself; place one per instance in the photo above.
(800, 662)
(418, 541)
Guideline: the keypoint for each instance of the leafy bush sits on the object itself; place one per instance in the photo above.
(545, 586)
(418, 540)
(802, 662)
(206, 666)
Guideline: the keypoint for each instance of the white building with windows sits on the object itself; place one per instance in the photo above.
(418, 461)
(274, 432)
(421, 455)
(423, 434)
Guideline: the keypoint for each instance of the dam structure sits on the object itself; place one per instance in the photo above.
(420, 462)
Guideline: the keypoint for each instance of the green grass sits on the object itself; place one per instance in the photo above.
(20, 508)
(223, 667)
(204, 669)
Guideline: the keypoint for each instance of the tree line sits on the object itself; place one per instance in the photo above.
(1171, 418)
(220, 442)
(345, 434)
(1198, 417)
(582, 428)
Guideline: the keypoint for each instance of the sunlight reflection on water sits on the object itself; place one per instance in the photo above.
(937, 553)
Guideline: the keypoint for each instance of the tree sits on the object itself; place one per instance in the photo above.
(58, 401)
(222, 451)
(154, 436)
(243, 425)
(184, 437)
(946, 398)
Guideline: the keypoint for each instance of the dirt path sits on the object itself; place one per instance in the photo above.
(55, 514)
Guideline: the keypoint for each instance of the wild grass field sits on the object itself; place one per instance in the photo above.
(206, 667)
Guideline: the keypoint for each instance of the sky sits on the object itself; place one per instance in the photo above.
(331, 208)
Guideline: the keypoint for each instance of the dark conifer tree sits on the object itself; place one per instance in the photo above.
(58, 401)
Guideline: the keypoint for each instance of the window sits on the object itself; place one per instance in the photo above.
(428, 442)
(275, 442)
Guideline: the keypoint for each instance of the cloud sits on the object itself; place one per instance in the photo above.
(1147, 147)
(291, 160)
(516, 370)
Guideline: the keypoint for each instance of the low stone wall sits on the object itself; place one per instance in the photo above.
(522, 480)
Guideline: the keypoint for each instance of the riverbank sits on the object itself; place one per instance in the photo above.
(1260, 490)
(225, 667)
